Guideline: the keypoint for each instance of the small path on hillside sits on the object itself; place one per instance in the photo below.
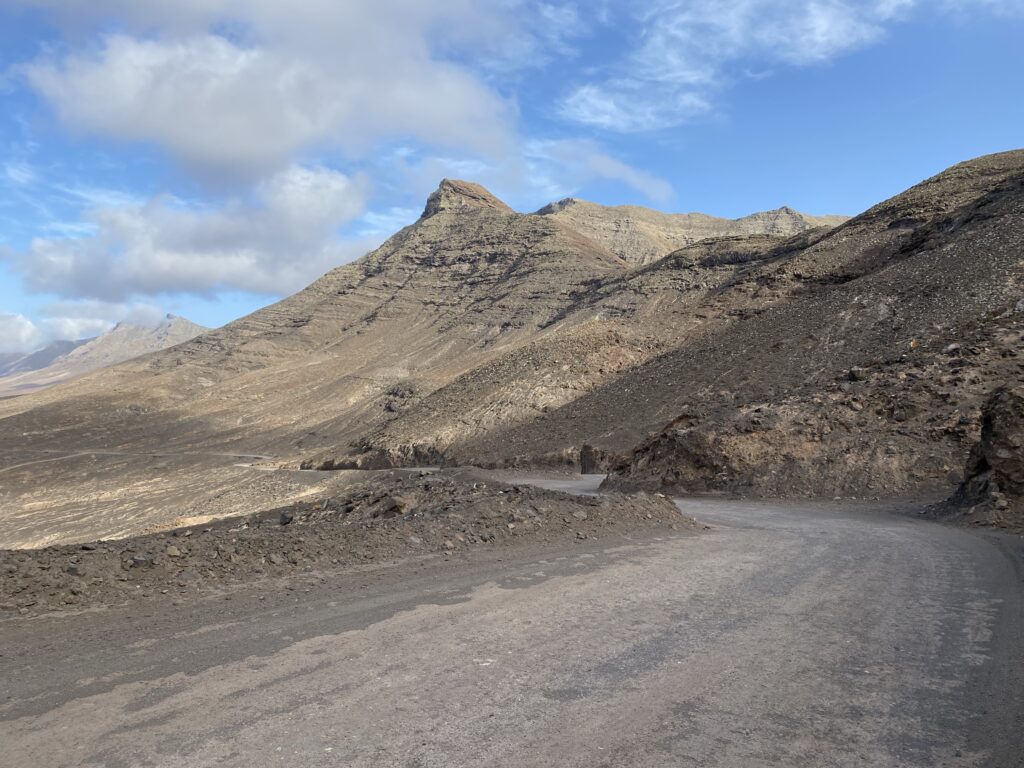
(145, 454)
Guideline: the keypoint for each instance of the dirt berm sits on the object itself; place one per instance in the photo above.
(389, 517)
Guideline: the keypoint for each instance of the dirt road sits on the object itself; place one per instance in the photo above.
(789, 635)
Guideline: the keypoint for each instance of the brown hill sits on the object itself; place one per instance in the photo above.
(804, 361)
(869, 374)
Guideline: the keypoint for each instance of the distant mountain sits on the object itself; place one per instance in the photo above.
(641, 236)
(19, 363)
(63, 360)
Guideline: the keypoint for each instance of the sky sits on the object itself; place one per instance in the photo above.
(208, 157)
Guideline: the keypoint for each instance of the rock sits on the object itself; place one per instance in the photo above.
(994, 474)
(142, 561)
(387, 507)
(73, 570)
(579, 514)
(287, 517)
(173, 551)
(589, 460)
(275, 558)
(858, 374)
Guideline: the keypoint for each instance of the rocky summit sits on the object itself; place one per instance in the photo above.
(778, 354)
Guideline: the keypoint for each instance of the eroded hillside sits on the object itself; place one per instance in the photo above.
(790, 359)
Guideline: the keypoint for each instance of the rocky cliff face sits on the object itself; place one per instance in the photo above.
(993, 487)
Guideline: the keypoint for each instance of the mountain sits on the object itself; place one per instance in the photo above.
(845, 360)
(870, 375)
(19, 363)
(63, 360)
(640, 235)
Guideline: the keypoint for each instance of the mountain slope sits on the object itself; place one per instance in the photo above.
(467, 282)
(829, 360)
(869, 378)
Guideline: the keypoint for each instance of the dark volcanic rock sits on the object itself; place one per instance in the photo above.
(993, 487)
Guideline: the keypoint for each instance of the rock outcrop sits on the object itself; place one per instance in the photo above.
(993, 486)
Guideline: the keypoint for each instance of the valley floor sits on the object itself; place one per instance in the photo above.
(791, 634)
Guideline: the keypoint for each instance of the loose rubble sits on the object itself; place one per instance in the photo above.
(387, 518)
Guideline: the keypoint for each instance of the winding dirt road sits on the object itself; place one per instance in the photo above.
(788, 635)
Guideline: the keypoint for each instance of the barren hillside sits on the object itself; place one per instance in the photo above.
(786, 360)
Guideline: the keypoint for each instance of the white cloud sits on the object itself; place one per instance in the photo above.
(632, 105)
(561, 167)
(284, 79)
(276, 243)
(18, 334)
(87, 318)
(19, 173)
(690, 49)
(71, 321)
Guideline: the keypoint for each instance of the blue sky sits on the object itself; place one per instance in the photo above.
(205, 157)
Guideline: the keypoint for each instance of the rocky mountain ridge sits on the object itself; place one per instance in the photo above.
(807, 363)
(641, 236)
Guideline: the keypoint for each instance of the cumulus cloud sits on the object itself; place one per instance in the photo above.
(90, 317)
(18, 334)
(691, 49)
(70, 321)
(240, 88)
(275, 243)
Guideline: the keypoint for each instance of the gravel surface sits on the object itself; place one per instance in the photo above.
(788, 635)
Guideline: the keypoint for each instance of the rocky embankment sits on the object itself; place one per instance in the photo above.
(993, 488)
(389, 517)
(899, 425)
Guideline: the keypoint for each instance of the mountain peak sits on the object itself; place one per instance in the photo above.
(559, 205)
(453, 194)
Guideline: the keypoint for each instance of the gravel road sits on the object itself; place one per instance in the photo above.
(788, 635)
